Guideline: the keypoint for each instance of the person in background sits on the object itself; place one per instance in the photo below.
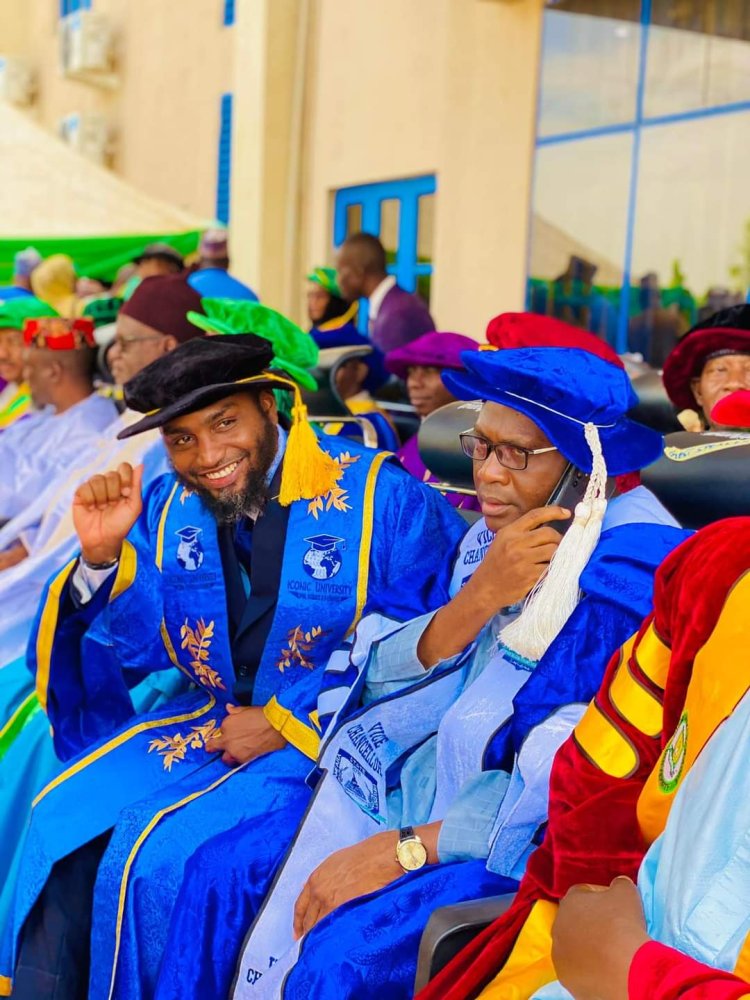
(211, 278)
(395, 315)
(711, 361)
(15, 398)
(58, 368)
(156, 259)
(54, 282)
(138, 341)
(24, 263)
(330, 315)
(355, 379)
(87, 288)
(420, 364)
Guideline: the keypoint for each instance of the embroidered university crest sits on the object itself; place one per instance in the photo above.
(360, 786)
(323, 559)
(673, 759)
(190, 551)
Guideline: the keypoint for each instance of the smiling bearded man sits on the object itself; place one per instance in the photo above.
(210, 571)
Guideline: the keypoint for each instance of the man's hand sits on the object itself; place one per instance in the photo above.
(347, 874)
(13, 556)
(105, 508)
(596, 934)
(244, 735)
(516, 559)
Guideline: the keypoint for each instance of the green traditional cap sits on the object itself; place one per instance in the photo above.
(294, 351)
(15, 312)
(103, 310)
(326, 278)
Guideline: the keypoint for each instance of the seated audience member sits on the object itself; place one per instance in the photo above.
(211, 278)
(158, 259)
(26, 746)
(328, 312)
(420, 364)
(711, 361)
(24, 263)
(412, 762)
(244, 569)
(683, 932)
(54, 282)
(15, 398)
(614, 781)
(395, 316)
(58, 368)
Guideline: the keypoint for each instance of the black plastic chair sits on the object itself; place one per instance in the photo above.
(654, 407)
(702, 478)
(450, 929)
(440, 450)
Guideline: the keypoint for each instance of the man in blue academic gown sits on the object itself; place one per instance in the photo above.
(244, 570)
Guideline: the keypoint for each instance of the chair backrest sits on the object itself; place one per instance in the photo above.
(440, 448)
(702, 478)
(654, 407)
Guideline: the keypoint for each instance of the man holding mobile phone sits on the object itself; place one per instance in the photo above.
(475, 732)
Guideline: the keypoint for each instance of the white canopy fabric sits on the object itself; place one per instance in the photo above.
(47, 189)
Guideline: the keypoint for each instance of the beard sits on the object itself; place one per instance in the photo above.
(230, 505)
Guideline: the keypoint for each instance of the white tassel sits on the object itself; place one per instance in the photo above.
(554, 598)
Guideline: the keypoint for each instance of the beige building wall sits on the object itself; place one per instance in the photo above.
(389, 90)
(174, 59)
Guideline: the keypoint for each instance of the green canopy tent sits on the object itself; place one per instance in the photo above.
(54, 199)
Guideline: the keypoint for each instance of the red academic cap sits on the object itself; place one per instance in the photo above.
(58, 334)
(514, 330)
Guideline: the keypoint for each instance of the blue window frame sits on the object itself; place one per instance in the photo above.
(647, 116)
(71, 6)
(366, 203)
(224, 171)
(229, 13)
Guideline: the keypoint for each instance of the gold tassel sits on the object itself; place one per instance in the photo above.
(308, 471)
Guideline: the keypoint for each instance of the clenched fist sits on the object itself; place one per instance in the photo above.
(105, 508)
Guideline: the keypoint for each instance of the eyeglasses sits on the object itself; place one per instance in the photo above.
(124, 344)
(510, 456)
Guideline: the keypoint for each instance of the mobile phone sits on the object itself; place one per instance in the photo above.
(570, 490)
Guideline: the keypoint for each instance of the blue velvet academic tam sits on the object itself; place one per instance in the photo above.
(577, 388)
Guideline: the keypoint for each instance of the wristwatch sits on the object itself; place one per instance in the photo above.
(411, 853)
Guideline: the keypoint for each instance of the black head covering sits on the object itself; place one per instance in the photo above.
(196, 374)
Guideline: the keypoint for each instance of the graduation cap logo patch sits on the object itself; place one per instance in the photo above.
(190, 552)
(323, 559)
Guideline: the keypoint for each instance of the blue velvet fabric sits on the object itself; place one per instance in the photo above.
(368, 948)
(273, 786)
(224, 884)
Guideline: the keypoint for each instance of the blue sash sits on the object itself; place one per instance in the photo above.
(359, 763)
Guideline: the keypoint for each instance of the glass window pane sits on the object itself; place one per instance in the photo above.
(579, 229)
(425, 228)
(390, 211)
(353, 219)
(693, 215)
(589, 70)
(688, 69)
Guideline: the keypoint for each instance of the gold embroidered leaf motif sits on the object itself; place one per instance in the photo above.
(299, 645)
(197, 641)
(336, 497)
(174, 748)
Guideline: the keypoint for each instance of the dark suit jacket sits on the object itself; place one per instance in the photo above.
(402, 317)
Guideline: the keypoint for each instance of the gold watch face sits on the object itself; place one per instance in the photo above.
(412, 854)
